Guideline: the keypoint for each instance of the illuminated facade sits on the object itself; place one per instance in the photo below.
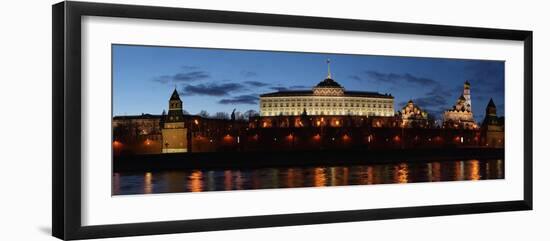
(461, 116)
(326, 98)
(174, 133)
(412, 116)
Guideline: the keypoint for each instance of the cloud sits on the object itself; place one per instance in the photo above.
(279, 88)
(241, 99)
(398, 79)
(292, 87)
(213, 89)
(189, 67)
(248, 74)
(298, 87)
(188, 74)
(486, 76)
(256, 83)
(431, 101)
(355, 77)
(434, 101)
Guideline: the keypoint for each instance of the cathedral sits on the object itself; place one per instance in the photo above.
(412, 116)
(327, 98)
(460, 115)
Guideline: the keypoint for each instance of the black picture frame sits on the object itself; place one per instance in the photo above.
(66, 47)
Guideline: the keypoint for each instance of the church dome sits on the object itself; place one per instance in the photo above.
(329, 82)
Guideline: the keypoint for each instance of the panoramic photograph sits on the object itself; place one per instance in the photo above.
(188, 119)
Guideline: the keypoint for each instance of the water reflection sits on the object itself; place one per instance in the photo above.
(320, 176)
(148, 183)
(474, 170)
(401, 173)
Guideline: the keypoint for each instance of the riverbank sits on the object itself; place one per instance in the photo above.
(222, 160)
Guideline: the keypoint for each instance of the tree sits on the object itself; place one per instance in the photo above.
(221, 116)
(204, 114)
(250, 114)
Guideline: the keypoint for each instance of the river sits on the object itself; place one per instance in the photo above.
(203, 180)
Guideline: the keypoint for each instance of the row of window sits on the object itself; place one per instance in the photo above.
(275, 113)
(323, 104)
(325, 100)
(297, 110)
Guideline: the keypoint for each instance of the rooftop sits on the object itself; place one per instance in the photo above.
(310, 93)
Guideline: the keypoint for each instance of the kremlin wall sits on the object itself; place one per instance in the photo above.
(328, 117)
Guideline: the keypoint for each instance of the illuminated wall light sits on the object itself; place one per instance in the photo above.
(345, 137)
(317, 137)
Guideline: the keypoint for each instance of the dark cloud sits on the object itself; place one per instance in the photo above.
(248, 74)
(256, 83)
(355, 77)
(213, 89)
(486, 76)
(189, 67)
(431, 101)
(399, 79)
(241, 99)
(292, 87)
(299, 87)
(434, 101)
(183, 77)
(279, 88)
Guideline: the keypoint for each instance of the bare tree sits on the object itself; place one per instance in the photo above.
(250, 114)
(221, 116)
(204, 114)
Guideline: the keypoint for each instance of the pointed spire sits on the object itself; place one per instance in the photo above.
(175, 94)
(491, 103)
(329, 76)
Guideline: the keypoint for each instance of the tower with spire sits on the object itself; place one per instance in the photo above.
(175, 108)
(492, 128)
(460, 115)
(467, 98)
(174, 133)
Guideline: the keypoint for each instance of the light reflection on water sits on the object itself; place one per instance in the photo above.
(288, 177)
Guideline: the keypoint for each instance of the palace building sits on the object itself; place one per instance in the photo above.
(326, 98)
(461, 116)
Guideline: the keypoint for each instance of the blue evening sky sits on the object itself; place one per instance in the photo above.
(220, 80)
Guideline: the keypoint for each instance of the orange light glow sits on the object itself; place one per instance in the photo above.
(474, 170)
(401, 173)
(290, 137)
(397, 139)
(117, 144)
(228, 138)
(319, 177)
(345, 137)
(195, 184)
(317, 137)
